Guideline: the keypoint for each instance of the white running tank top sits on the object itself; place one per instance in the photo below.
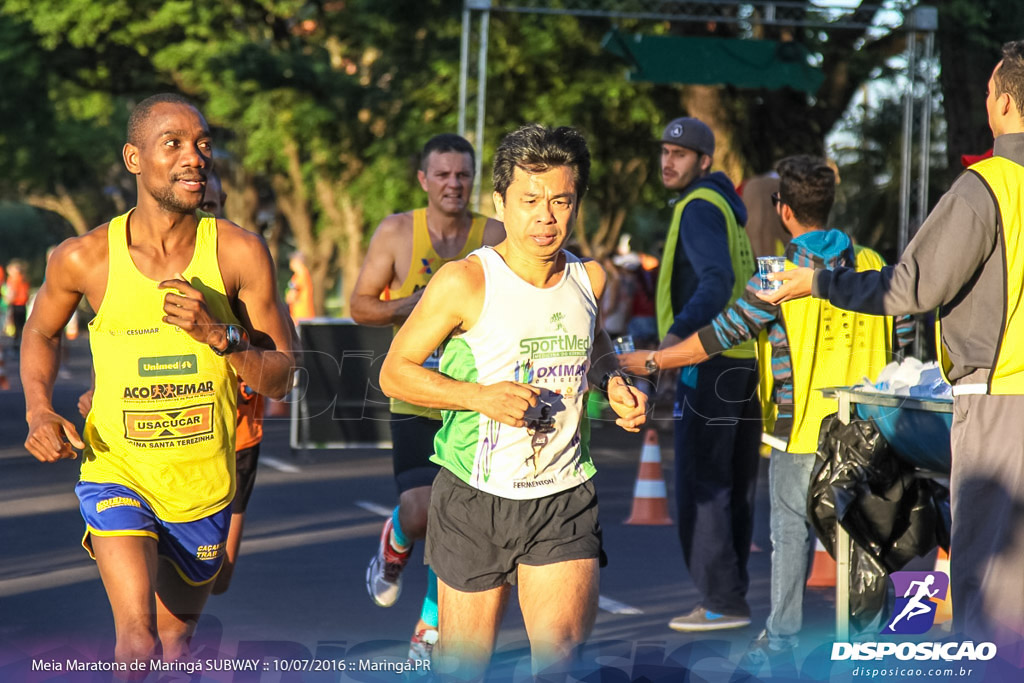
(538, 336)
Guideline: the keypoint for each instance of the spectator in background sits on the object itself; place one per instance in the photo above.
(706, 264)
(767, 235)
(300, 289)
(967, 261)
(17, 299)
(802, 348)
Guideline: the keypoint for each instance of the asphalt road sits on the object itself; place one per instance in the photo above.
(298, 594)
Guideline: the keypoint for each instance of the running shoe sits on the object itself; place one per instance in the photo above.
(762, 651)
(384, 575)
(701, 619)
(421, 647)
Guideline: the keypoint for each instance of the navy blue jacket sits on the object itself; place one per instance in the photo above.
(702, 275)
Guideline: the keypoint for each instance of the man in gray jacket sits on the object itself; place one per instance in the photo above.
(968, 262)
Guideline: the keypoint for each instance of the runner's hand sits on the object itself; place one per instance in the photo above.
(506, 402)
(629, 403)
(85, 403)
(52, 438)
(187, 309)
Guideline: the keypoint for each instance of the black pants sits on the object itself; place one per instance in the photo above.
(717, 436)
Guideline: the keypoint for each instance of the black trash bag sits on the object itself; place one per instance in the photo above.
(891, 515)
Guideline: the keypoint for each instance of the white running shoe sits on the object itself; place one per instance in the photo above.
(384, 575)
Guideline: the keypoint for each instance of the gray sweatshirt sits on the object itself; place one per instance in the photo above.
(954, 263)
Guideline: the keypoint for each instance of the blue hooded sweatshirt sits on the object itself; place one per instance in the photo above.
(702, 275)
(749, 315)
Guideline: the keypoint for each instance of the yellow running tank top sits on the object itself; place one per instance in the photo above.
(425, 262)
(163, 415)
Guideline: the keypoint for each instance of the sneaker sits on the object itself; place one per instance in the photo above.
(701, 619)
(384, 575)
(421, 647)
(761, 651)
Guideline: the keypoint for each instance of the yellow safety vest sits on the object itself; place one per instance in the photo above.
(828, 347)
(1005, 180)
(740, 254)
(163, 413)
(426, 262)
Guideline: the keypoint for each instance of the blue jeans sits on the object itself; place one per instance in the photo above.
(789, 477)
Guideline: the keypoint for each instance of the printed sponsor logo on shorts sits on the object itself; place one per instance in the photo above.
(209, 552)
(160, 366)
(117, 502)
(173, 423)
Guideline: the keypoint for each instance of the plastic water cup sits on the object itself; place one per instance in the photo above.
(624, 344)
(770, 264)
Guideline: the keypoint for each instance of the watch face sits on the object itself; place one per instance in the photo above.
(651, 365)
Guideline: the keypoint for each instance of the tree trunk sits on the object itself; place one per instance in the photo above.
(62, 204)
(294, 202)
(706, 103)
(967, 60)
(346, 228)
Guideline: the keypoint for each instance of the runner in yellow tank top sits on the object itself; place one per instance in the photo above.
(178, 296)
(406, 251)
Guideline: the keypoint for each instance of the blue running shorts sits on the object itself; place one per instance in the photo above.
(195, 549)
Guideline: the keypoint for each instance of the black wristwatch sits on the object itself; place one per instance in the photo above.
(235, 336)
(651, 365)
(626, 379)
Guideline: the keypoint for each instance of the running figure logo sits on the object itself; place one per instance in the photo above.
(556, 320)
(914, 612)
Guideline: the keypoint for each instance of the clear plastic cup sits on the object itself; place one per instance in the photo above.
(624, 344)
(770, 264)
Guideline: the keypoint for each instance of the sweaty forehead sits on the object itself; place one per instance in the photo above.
(449, 161)
(557, 180)
(172, 117)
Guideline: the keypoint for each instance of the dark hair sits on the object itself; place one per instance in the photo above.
(446, 142)
(140, 114)
(536, 149)
(808, 185)
(1009, 77)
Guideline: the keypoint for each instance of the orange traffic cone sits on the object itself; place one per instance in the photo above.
(650, 497)
(944, 610)
(823, 570)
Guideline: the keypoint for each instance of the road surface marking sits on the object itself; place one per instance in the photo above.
(616, 607)
(279, 465)
(375, 508)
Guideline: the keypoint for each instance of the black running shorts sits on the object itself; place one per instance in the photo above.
(245, 477)
(476, 540)
(412, 444)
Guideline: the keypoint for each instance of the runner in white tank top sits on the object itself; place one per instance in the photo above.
(514, 502)
(538, 336)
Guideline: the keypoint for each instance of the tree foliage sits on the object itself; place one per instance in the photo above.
(320, 106)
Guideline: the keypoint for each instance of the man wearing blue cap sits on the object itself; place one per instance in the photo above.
(706, 263)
